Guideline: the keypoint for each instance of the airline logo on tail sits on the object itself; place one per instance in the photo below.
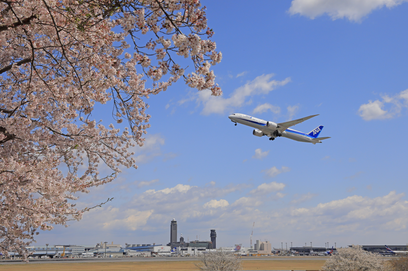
(315, 133)
(330, 252)
(389, 249)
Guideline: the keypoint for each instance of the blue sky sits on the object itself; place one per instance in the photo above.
(282, 60)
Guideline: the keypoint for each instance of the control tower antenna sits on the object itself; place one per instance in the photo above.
(252, 233)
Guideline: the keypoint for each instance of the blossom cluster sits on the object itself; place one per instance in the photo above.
(354, 258)
(58, 59)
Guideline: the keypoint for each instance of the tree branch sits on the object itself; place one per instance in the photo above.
(21, 62)
(21, 22)
(7, 134)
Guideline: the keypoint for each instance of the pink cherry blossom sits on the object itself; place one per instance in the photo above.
(58, 59)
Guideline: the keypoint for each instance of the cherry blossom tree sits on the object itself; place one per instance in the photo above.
(219, 261)
(354, 258)
(58, 60)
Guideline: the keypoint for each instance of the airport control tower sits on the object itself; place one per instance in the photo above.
(173, 232)
(213, 236)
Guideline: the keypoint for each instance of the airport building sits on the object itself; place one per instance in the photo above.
(173, 232)
(309, 250)
(194, 244)
(146, 249)
(382, 249)
(58, 251)
(213, 236)
(263, 247)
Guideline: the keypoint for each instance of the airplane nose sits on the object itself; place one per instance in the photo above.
(231, 117)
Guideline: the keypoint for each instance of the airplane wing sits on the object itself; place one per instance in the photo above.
(285, 125)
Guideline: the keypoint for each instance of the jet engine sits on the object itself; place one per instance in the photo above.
(271, 125)
(257, 132)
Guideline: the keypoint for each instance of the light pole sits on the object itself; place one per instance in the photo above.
(105, 248)
(46, 251)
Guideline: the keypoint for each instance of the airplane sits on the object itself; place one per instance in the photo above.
(237, 248)
(330, 252)
(394, 251)
(274, 130)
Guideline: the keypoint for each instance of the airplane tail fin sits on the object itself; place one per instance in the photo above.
(389, 249)
(315, 132)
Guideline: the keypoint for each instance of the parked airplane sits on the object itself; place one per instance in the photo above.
(237, 248)
(395, 251)
(329, 252)
(274, 130)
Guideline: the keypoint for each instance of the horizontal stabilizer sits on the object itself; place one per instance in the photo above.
(323, 138)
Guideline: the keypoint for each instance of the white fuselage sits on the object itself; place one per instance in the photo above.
(270, 129)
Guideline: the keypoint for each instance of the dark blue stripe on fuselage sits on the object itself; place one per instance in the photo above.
(299, 133)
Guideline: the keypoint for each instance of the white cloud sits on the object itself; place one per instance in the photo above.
(247, 202)
(274, 171)
(373, 110)
(265, 107)
(279, 195)
(169, 201)
(181, 188)
(302, 198)
(267, 188)
(358, 208)
(292, 111)
(353, 10)
(354, 175)
(132, 219)
(141, 184)
(216, 203)
(241, 74)
(377, 110)
(149, 150)
(218, 105)
(259, 154)
(353, 219)
(188, 99)
(404, 95)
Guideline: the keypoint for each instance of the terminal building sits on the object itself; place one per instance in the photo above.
(309, 250)
(174, 246)
(193, 244)
(263, 247)
(382, 249)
